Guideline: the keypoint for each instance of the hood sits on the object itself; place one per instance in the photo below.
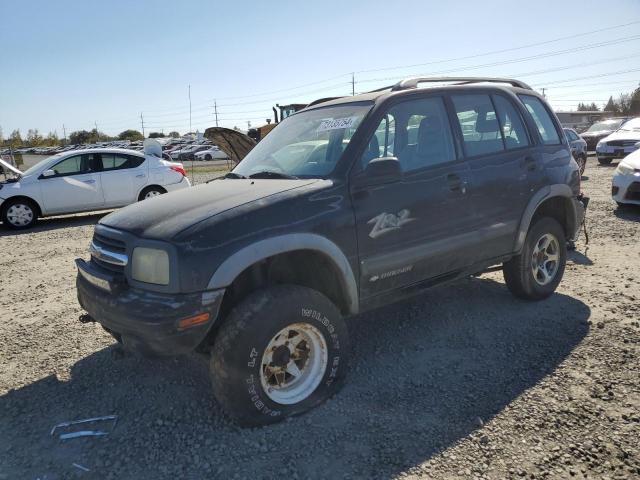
(623, 135)
(163, 217)
(599, 133)
(633, 160)
(10, 167)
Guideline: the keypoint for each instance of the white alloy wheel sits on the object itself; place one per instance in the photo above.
(294, 363)
(152, 193)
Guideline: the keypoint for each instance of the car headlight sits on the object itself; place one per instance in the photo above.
(624, 169)
(150, 265)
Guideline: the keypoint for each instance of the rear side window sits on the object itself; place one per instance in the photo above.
(479, 124)
(543, 120)
(112, 161)
(513, 130)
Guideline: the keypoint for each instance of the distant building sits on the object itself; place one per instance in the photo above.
(581, 120)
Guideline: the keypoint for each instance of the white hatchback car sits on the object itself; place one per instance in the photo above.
(85, 180)
(626, 180)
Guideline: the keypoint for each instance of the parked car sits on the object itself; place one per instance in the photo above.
(620, 143)
(212, 152)
(601, 129)
(189, 153)
(578, 148)
(85, 180)
(626, 179)
(259, 269)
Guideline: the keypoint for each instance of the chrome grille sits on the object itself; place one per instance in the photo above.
(109, 253)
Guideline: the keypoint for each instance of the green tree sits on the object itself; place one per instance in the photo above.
(79, 137)
(1, 136)
(15, 139)
(174, 134)
(156, 135)
(34, 139)
(52, 139)
(132, 135)
(611, 106)
(634, 103)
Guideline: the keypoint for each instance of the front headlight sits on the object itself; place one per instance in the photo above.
(624, 169)
(150, 265)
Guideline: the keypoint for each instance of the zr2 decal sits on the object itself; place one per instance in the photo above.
(387, 222)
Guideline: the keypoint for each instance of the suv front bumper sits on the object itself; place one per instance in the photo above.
(146, 321)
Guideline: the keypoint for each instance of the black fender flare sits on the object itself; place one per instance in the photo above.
(545, 193)
(227, 272)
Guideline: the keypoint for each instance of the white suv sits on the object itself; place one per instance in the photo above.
(86, 180)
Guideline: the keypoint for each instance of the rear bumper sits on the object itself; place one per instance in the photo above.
(184, 183)
(146, 321)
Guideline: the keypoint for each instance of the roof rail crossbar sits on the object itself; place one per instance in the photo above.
(413, 82)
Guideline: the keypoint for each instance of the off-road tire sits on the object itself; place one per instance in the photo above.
(518, 272)
(604, 161)
(4, 213)
(239, 346)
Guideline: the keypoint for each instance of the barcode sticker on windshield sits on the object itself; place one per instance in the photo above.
(337, 123)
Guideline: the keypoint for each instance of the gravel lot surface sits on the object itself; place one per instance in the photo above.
(462, 382)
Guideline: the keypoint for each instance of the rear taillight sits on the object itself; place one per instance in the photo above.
(179, 168)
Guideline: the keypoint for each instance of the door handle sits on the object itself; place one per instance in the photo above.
(530, 164)
(456, 184)
(140, 175)
(89, 181)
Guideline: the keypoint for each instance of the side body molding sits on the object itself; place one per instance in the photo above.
(556, 190)
(247, 256)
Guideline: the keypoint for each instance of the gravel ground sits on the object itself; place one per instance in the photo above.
(462, 382)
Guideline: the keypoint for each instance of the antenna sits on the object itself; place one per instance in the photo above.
(189, 108)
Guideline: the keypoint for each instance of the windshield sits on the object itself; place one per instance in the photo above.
(605, 125)
(632, 125)
(307, 144)
(37, 166)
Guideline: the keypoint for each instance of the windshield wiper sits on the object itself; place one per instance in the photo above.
(234, 175)
(271, 174)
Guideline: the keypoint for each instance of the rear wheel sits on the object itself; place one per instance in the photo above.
(207, 156)
(152, 191)
(537, 271)
(280, 352)
(19, 214)
(582, 163)
(604, 161)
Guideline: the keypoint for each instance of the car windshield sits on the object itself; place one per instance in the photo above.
(632, 125)
(605, 125)
(37, 166)
(308, 144)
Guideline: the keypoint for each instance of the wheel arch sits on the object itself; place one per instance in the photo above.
(147, 187)
(555, 201)
(7, 201)
(302, 258)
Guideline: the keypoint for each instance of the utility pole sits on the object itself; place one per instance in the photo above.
(543, 90)
(215, 110)
(64, 130)
(189, 108)
(142, 123)
(353, 84)
(97, 136)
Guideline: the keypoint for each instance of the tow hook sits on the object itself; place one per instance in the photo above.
(86, 318)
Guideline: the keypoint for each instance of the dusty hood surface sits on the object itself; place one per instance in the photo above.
(8, 166)
(164, 216)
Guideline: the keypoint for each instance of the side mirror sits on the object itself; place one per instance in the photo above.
(383, 170)
(48, 173)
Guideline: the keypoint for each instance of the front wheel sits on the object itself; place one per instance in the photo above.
(537, 271)
(280, 352)
(19, 214)
(207, 157)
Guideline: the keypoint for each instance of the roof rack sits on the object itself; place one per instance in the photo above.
(408, 83)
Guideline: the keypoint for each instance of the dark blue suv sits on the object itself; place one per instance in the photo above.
(345, 206)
